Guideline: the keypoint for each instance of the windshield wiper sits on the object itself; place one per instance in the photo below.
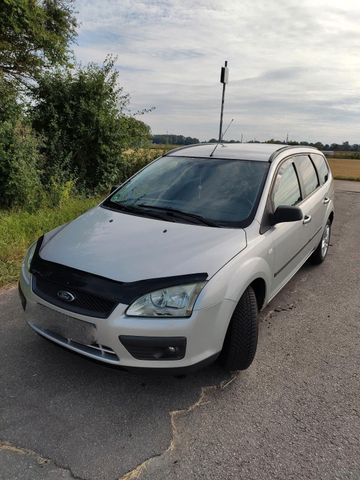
(133, 209)
(180, 214)
(123, 207)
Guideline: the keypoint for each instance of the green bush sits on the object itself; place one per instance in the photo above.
(59, 191)
(81, 113)
(20, 163)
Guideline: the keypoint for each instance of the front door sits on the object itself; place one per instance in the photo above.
(287, 239)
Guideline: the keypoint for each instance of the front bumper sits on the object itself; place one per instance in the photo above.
(198, 339)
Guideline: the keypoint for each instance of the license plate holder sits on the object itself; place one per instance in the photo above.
(52, 321)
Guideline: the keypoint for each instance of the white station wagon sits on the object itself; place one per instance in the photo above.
(171, 270)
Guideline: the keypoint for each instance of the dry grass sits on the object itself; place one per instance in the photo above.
(345, 169)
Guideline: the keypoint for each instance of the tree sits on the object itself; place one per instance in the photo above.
(82, 115)
(34, 35)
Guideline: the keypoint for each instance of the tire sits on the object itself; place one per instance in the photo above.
(240, 342)
(322, 249)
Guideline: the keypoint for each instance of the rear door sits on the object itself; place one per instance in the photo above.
(326, 184)
(312, 203)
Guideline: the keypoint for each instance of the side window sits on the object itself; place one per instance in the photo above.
(307, 172)
(286, 189)
(321, 167)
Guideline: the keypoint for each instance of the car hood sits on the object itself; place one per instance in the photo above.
(129, 248)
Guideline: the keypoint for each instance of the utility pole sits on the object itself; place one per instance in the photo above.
(224, 78)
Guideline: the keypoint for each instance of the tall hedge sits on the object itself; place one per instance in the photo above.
(82, 115)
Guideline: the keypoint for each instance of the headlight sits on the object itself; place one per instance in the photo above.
(169, 302)
(29, 255)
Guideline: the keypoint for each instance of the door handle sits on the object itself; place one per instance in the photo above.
(326, 200)
(307, 219)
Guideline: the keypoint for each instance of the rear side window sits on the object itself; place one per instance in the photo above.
(307, 172)
(321, 167)
(286, 188)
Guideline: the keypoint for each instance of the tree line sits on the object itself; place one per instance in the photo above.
(167, 139)
(334, 147)
(64, 128)
(172, 139)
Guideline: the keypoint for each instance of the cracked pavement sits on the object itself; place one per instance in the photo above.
(293, 415)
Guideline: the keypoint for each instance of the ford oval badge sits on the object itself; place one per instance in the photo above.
(65, 296)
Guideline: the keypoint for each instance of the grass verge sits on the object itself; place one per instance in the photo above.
(18, 229)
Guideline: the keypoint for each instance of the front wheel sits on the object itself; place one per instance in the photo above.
(241, 338)
(322, 249)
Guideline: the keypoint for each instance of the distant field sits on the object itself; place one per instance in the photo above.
(345, 169)
(349, 155)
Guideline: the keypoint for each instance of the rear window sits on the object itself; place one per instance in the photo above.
(307, 172)
(321, 167)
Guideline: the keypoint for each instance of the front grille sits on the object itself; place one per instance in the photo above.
(84, 303)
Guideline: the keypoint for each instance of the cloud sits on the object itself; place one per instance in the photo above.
(293, 67)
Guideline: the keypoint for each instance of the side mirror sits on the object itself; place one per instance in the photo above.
(285, 213)
(113, 188)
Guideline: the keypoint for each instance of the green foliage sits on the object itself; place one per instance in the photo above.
(9, 107)
(135, 133)
(59, 191)
(18, 229)
(34, 34)
(81, 114)
(20, 160)
(19, 172)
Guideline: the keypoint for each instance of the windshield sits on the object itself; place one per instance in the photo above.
(221, 192)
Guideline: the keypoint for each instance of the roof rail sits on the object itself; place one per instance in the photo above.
(287, 147)
(278, 151)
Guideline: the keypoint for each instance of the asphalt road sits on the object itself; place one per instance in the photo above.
(293, 415)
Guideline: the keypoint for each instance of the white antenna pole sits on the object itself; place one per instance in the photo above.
(224, 78)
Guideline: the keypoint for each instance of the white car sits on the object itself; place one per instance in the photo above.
(171, 270)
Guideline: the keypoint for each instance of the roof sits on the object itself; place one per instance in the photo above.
(264, 152)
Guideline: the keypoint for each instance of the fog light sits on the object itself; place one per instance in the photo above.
(154, 348)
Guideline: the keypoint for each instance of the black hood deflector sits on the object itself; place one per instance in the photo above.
(113, 290)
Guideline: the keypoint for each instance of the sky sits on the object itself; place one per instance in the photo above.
(294, 66)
